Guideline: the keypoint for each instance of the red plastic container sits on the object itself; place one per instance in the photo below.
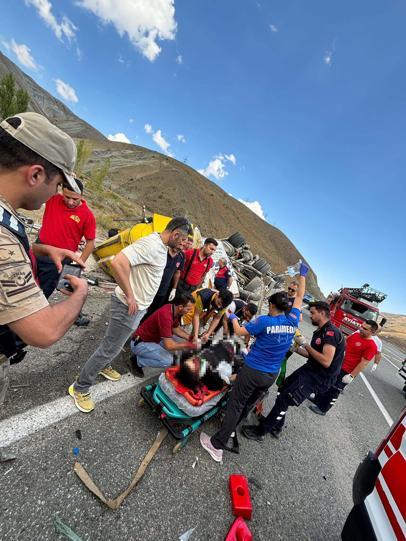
(240, 496)
(239, 531)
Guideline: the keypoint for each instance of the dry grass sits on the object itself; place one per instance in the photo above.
(395, 330)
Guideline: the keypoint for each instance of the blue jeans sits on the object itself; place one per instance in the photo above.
(152, 354)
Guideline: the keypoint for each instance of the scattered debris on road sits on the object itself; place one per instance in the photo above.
(116, 503)
(64, 530)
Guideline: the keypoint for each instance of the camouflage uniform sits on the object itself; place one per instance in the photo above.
(20, 296)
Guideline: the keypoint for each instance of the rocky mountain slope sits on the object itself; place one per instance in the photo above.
(139, 176)
(43, 102)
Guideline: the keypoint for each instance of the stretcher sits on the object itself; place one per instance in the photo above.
(178, 423)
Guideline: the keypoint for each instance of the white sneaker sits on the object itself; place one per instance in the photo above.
(205, 442)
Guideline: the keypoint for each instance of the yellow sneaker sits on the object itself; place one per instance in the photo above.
(83, 401)
(110, 373)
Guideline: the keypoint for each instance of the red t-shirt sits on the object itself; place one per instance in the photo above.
(159, 325)
(63, 227)
(358, 348)
(197, 269)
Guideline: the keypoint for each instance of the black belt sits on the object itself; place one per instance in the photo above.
(138, 340)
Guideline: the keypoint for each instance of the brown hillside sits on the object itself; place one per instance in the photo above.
(44, 103)
(169, 187)
(139, 176)
(395, 330)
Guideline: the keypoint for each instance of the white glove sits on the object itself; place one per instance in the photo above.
(300, 340)
(172, 295)
(374, 367)
(347, 379)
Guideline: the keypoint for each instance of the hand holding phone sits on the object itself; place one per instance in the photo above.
(68, 269)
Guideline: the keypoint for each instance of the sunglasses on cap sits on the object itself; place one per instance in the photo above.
(181, 223)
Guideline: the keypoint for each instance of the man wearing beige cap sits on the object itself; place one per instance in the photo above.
(35, 158)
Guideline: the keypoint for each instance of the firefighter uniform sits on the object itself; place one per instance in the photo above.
(309, 378)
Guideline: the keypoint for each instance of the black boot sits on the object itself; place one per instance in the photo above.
(253, 432)
(135, 369)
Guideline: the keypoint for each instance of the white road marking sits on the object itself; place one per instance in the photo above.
(396, 354)
(22, 425)
(395, 357)
(388, 418)
(389, 361)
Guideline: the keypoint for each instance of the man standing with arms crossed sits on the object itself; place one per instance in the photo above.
(138, 270)
(67, 219)
(198, 262)
(35, 158)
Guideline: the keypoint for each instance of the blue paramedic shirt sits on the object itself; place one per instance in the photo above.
(274, 336)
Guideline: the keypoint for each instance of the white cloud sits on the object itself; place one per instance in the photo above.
(273, 28)
(158, 139)
(217, 167)
(62, 29)
(181, 138)
(144, 21)
(255, 206)
(23, 54)
(161, 142)
(179, 59)
(67, 92)
(328, 57)
(119, 137)
(231, 158)
(131, 120)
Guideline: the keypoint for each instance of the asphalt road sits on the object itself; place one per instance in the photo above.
(300, 484)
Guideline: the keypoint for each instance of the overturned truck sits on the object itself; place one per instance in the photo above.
(253, 275)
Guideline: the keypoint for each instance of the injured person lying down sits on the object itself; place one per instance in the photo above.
(202, 379)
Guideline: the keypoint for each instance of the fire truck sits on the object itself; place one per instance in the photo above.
(379, 491)
(353, 305)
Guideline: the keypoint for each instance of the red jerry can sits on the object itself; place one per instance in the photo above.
(239, 531)
(240, 496)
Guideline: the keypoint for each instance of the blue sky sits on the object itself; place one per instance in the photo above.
(297, 107)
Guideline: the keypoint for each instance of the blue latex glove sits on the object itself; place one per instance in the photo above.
(304, 269)
(231, 317)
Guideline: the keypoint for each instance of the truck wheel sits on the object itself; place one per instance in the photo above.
(249, 295)
(236, 240)
(254, 284)
(249, 273)
(262, 265)
(229, 248)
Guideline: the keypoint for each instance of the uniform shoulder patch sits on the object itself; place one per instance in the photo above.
(330, 333)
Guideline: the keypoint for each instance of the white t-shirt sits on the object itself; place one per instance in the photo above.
(378, 343)
(147, 257)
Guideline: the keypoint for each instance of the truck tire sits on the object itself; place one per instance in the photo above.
(249, 273)
(262, 265)
(254, 284)
(249, 295)
(236, 240)
(229, 248)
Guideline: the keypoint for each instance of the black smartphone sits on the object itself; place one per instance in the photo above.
(68, 268)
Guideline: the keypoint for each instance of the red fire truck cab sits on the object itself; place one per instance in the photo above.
(351, 306)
